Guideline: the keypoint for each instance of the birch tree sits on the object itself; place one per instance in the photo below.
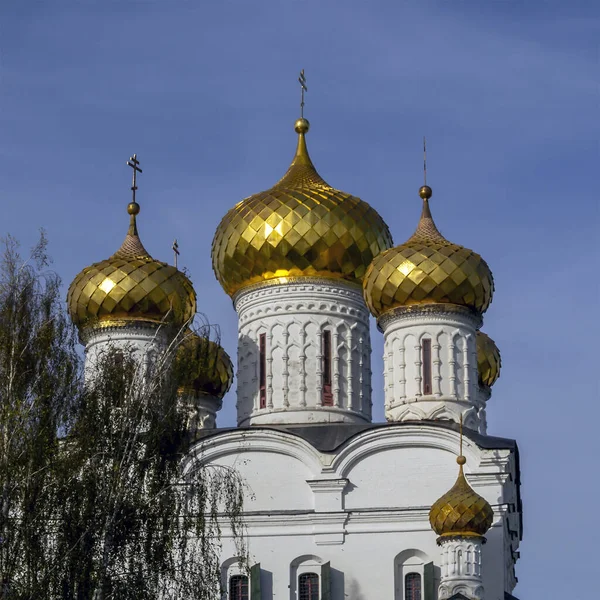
(94, 502)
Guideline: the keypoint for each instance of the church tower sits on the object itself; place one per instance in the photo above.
(292, 258)
(429, 296)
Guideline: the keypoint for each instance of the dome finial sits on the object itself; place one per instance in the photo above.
(425, 191)
(133, 208)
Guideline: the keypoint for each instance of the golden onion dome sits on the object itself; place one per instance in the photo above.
(428, 269)
(299, 227)
(488, 359)
(130, 286)
(202, 367)
(461, 512)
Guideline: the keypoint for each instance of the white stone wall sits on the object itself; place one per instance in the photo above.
(363, 508)
(455, 389)
(143, 340)
(293, 316)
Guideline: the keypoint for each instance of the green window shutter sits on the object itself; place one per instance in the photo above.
(326, 581)
(255, 582)
(429, 582)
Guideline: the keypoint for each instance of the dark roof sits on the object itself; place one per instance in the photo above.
(328, 437)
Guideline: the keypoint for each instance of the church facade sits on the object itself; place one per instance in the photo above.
(338, 507)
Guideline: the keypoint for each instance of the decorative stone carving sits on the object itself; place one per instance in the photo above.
(294, 316)
(460, 569)
(452, 389)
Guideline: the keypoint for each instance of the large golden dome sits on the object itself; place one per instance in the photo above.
(488, 359)
(203, 367)
(299, 227)
(130, 286)
(428, 269)
(461, 512)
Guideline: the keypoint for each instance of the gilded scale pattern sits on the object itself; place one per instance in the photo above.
(130, 285)
(488, 359)
(461, 511)
(299, 227)
(428, 269)
(208, 368)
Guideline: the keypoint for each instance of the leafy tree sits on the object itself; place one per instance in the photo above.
(94, 501)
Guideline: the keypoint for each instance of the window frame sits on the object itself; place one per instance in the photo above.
(410, 594)
(426, 367)
(315, 578)
(262, 370)
(242, 577)
(326, 367)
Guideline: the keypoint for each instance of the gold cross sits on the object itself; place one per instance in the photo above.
(302, 81)
(133, 162)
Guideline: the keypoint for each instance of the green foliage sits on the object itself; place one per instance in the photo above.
(97, 498)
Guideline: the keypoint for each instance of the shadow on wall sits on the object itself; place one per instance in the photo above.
(266, 584)
(247, 376)
(337, 585)
(354, 591)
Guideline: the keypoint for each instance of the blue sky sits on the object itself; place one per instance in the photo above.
(205, 92)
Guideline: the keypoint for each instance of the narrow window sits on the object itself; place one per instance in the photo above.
(238, 587)
(326, 352)
(308, 586)
(262, 377)
(426, 350)
(412, 587)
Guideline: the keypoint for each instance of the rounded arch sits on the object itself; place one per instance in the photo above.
(409, 563)
(237, 441)
(381, 439)
(303, 565)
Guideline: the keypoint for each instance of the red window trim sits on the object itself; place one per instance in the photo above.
(308, 586)
(327, 398)
(412, 586)
(241, 589)
(426, 359)
(262, 368)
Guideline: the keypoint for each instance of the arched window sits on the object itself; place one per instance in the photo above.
(412, 586)
(262, 370)
(426, 362)
(326, 368)
(238, 587)
(308, 586)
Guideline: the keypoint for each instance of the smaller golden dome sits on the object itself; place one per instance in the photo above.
(130, 286)
(488, 359)
(203, 367)
(427, 269)
(461, 512)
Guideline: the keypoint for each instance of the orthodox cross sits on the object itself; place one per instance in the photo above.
(175, 249)
(424, 161)
(133, 162)
(302, 81)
